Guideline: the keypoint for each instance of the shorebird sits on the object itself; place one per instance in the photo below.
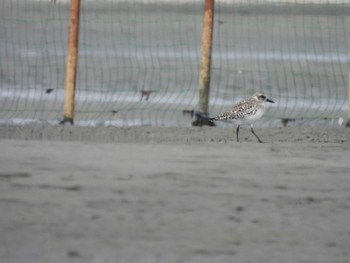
(246, 112)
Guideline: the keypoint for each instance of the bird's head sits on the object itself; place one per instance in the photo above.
(260, 96)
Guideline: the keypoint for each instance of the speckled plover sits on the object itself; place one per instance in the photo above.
(246, 112)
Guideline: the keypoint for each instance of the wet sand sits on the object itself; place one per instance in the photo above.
(82, 194)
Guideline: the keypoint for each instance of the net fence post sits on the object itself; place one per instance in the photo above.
(348, 122)
(71, 62)
(206, 50)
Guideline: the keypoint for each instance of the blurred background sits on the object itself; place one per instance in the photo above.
(139, 60)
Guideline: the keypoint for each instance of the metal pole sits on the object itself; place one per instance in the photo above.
(348, 122)
(71, 62)
(206, 49)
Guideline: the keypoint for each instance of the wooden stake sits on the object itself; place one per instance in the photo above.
(71, 62)
(206, 50)
(348, 122)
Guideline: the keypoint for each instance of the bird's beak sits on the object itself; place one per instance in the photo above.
(271, 101)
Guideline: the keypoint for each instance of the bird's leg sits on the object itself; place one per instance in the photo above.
(237, 132)
(251, 128)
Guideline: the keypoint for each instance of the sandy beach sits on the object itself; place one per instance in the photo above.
(132, 181)
(80, 194)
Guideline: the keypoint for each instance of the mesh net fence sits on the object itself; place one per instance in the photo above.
(139, 60)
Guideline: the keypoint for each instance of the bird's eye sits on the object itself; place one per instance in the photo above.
(262, 97)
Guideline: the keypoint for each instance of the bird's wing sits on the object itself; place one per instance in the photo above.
(238, 111)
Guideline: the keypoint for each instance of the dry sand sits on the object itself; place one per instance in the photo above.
(82, 194)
